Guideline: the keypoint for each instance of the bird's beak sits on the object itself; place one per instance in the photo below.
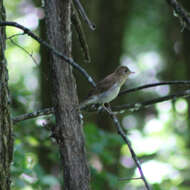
(132, 72)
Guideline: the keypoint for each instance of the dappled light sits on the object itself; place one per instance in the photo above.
(141, 140)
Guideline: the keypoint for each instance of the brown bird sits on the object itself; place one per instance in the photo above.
(107, 89)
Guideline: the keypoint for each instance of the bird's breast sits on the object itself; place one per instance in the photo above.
(110, 94)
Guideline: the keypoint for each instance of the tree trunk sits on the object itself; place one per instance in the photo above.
(6, 141)
(68, 129)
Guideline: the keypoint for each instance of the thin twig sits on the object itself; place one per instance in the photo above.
(14, 35)
(53, 50)
(84, 15)
(182, 82)
(41, 112)
(183, 14)
(128, 179)
(30, 54)
(81, 35)
(33, 59)
(140, 105)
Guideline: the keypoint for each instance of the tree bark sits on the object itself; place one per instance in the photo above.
(6, 141)
(68, 130)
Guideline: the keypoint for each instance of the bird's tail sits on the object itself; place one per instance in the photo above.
(86, 102)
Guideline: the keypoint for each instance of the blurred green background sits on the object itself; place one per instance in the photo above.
(141, 34)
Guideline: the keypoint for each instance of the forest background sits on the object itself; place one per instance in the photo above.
(152, 41)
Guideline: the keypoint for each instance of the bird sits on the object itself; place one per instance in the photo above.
(107, 89)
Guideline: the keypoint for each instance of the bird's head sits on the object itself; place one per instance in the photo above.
(122, 73)
(123, 70)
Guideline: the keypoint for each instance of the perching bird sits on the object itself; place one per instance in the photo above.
(107, 89)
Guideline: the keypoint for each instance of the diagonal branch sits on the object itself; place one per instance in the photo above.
(84, 15)
(52, 49)
(121, 132)
(80, 33)
(14, 35)
(183, 14)
(182, 82)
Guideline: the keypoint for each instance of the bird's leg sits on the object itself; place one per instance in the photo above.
(108, 109)
(102, 107)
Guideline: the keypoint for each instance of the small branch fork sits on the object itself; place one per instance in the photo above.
(183, 14)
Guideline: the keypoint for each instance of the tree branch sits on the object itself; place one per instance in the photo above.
(46, 111)
(183, 14)
(84, 15)
(14, 35)
(127, 141)
(182, 82)
(44, 43)
(140, 105)
(81, 35)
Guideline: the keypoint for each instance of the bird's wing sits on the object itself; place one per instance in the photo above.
(103, 85)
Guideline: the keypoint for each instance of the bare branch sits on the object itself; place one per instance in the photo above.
(46, 111)
(81, 35)
(182, 82)
(140, 105)
(53, 50)
(127, 141)
(183, 14)
(84, 15)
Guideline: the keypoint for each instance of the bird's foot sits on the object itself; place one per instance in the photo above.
(109, 110)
